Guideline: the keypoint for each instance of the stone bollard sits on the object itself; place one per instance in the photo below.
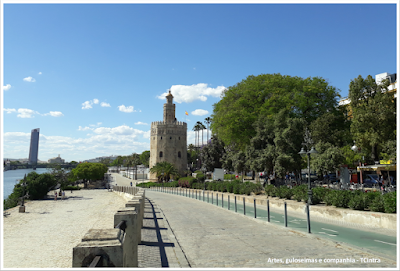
(131, 241)
(141, 211)
(107, 243)
(136, 203)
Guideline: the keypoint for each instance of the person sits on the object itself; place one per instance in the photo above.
(63, 194)
(55, 195)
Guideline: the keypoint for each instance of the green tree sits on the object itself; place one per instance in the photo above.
(192, 155)
(89, 172)
(265, 95)
(329, 158)
(374, 114)
(145, 158)
(38, 185)
(62, 176)
(212, 154)
(389, 150)
(118, 162)
(164, 171)
(332, 127)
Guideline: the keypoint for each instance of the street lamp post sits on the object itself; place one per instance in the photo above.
(356, 149)
(302, 153)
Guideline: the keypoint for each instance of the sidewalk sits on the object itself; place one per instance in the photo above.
(212, 237)
(124, 181)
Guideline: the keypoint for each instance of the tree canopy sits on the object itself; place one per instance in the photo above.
(265, 95)
(374, 114)
(89, 172)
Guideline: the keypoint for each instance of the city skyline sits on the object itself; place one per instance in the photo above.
(94, 84)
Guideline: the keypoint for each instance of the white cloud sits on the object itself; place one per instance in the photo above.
(188, 94)
(39, 72)
(140, 123)
(118, 140)
(87, 105)
(199, 112)
(26, 113)
(84, 128)
(29, 79)
(54, 114)
(6, 87)
(125, 109)
(9, 110)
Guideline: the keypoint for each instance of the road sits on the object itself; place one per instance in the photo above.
(382, 243)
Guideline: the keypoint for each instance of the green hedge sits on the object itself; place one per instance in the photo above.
(356, 200)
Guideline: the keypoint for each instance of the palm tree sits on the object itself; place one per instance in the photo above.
(200, 127)
(195, 129)
(208, 121)
(164, 170)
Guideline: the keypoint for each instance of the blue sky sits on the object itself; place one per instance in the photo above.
(92, 76)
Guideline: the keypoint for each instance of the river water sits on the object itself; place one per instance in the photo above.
(12, 177)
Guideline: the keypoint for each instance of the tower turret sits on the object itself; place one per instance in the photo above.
(169, 109)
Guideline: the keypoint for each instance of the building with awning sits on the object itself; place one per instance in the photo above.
(386, 168)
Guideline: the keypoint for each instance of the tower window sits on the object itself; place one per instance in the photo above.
(179, 154)
(161, 154)
(170, 137)
(161, 137)
(179, 138)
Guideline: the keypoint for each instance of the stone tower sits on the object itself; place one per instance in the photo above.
(168, 140)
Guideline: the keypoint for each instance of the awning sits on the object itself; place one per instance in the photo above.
(390, 167)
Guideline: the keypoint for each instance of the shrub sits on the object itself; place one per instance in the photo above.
(377, 204)
(369, 197)
(229, 176)
(357, 201)
(236, 188)
(342, 198)
(229, 186)
(221, 187)
(300, 192)
(389, 202)
(318, 194)
(284, 192)
(270, 190)
(329, 197)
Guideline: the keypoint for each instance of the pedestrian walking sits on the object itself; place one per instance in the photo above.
(55, 195)
(63, 194)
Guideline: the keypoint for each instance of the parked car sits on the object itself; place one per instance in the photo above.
(371, 180)
(332, 177)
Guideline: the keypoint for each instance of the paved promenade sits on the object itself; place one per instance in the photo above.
(43, 236)
(212, 237)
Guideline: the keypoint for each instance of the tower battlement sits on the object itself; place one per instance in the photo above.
(176, 123)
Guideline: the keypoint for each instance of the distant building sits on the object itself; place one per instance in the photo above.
(34, 147)
(168, 140)
(56, 160)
